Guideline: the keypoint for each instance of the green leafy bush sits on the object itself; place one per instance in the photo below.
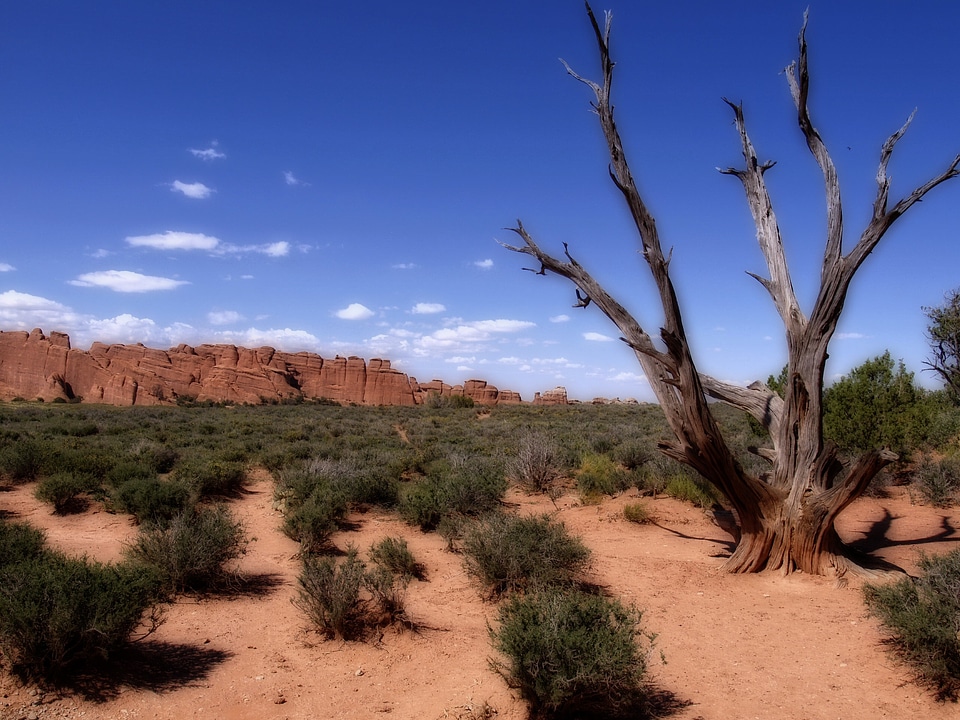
(600, 475)
(454, 488)
(152, 501)
(23, 460)
(566, 649)
(394, 554)
(639, 513)
(63, 491)
(509, 552)
(213, 478)
(193, 551)
(923, 619)
(58, 613)
(693, 490)
(19, 542)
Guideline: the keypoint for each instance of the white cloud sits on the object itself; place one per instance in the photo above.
(466, 335)
(355, 311)
(126, 281)
(286, 339)
(560, 319)
(484, 264)
(196, 190)
(428, 308)
(224, 317)
(850, 336)
(6, 267)
(101, 253)
(292, 180)
(404, 266)
(597, 337)
(18, 308)
(629, 377)
(210, 153)
(276, 249)
(509, 361)
(172, 240)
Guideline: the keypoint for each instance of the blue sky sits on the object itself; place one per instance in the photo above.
(334, 177)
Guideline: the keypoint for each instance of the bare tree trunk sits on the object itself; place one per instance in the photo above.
(786, 515)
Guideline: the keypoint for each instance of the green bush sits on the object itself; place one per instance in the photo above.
(329, 594)
(23, 460)
(19, 542)
(58, 614)
(923, 619)
(638, 512)
(454, 488)
(213, 478)
(312, 522)
(152, 501)
(600, 475)
(509, 552)
(63, 491)
(566, 649)
(394, 555)
(193, 551)
(938, 481)
(693, 490)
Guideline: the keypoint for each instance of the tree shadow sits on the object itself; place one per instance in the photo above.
(259, 585)
(146, 665)
(729, 545)
(875, 537)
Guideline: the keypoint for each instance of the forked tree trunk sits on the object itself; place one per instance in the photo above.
(786, 514)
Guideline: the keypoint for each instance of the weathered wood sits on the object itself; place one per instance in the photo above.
(786, 515)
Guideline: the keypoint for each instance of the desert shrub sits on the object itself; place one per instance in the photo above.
(923, 619)
(63, 491)
(152, 501)
(329, 594)
(600, 475)
(633, 454)
(938, 481)
(213, 478)
(394, 554)
(508, 552)
(313, 521)
(160, 458)
(388, 595)
(536, 465)
(23, 460)
(128, 470)
(436, 401)
(568, 648)
(59, 613)
(193, 551)
(638, 512)
(456, 487)
(691, 489)
(19, 542)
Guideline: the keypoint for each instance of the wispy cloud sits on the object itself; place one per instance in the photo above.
(224, 317)
(25, 311)
(197, 190)
(286, 339)
(126, 281)
(597, 337)
(210, 153)
(404, 266)
(428, 308)
(355, 311)
(465, 335)
(293, 181)
(560, 319)
(484, 264)
(850, 336)
(172, 240)
(6, 267)
(175, 240)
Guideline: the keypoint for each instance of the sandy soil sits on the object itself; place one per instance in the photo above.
(761, 646)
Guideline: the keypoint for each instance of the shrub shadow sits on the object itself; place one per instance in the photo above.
(147, 665)
(645, 703)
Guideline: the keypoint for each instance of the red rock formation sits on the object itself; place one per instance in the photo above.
(557, 396)
(34, 366)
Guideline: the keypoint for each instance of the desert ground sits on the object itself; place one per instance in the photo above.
(757, 646)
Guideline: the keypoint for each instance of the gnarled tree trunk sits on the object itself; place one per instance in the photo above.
(787, 514)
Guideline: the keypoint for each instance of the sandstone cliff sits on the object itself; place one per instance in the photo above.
(33, 365)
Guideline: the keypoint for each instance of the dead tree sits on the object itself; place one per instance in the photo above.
(786, 514)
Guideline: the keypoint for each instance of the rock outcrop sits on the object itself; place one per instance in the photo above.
(36, 366)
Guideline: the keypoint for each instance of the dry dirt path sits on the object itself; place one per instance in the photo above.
(761, 646)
